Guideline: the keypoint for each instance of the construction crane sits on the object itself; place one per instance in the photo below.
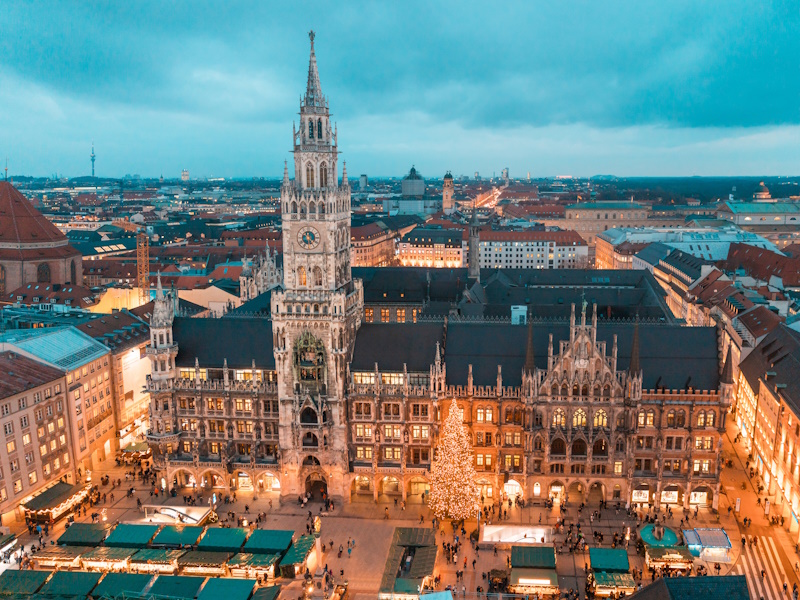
(143, 267)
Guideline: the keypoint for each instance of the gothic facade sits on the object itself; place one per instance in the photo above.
(306, 396)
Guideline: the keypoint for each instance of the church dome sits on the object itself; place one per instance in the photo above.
(448, 175)
(412, 174)
(21, 223)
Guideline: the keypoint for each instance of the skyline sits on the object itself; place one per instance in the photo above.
(626, 89)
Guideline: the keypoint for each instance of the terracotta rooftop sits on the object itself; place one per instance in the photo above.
(559, 237)
(760, 321)
(21, 373)
(21, 223)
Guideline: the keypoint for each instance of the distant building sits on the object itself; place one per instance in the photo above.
(762, 193)
(448, 203)
(612, 246)
(185, 175)
(761, 216)
(437, 248)
(363, 182)
(32, 249)
(373, 245)
(532, 250)
(413, 184)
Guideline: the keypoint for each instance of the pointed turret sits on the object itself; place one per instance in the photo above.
(314, 95)
(285, 172)
(727, 370)
(474, 267)
(530, 363)
(159, 289)
(635, 366)
(344, 173)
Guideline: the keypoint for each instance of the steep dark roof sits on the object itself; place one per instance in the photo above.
(21, 373)
(670, 356)
(779, 355)
(239, 340)
(393, 344)
(730, 587)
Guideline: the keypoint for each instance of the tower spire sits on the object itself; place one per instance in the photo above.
(313, 90)
(530, 363)
(344, 173)
(93, 157)
(727, 370)
(285, 172)
(635, 365)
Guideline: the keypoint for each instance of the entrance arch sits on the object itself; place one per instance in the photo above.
(672, 494)
(316, 485)
(557, 491)
(418, 487)
(182, 478)
(268, 482)
(597, 493)
(486, 489)
(512, 489)
(362, 485)
(211, 478)
(702, 495)
(390, 486)
(575, 492)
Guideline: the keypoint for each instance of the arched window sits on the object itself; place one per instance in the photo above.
(323, 175)
(701, 419)
(579, 418)
(488, 414)
(301, 276)
(641, 419)
(559, 418)
(651, 418)
(710, 419)
(620, 420)
(564, 392)
(620, 446)
(558, 446)
(310, 175)
(73, 273)
(319, 129)
(311, 129)
(480, 415)
(317, 277)
(2, 280)
(600, 418)
(302, 209)
(575, 390)
(294, 207)
(600, 448)
(43, 273)
(312, 208)
(680, 419)
(671, 418)
(309, 416)
(537, 443)
(579, 448)
(606, 392)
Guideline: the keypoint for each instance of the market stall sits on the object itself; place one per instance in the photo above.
(136, 451)
(712, 545)
(675, 558)
(533, 570)
(55, 502)
(409, 565)
(22, 582)
(59, 557)
(609, 575)
(107, 559)
(127, 535)
(7, 543)
(177, 536)
(293, 562)
(226, 589)
(210, 564)
(270, 592)
(250, 566)
(116, 584)
(268, 541)
(84, 534)
(176, 587)
(223, 539)
(156, 560)
(76, 584)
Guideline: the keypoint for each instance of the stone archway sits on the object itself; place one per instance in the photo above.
(702, 495)
(212, 479)
(597, 493)
(418, 489)
(575, 492)
(182, 478)
(316, 485)
(557, 491)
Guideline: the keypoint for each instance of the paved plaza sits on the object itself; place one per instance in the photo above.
(364, 522)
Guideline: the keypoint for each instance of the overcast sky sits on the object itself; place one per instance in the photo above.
(554, 88)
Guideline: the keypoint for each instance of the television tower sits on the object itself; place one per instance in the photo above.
(93, 157)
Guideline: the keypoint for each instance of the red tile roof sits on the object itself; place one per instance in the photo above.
(763, 264)
(760, 321)
(559, 237)
(51, 293)
(21, 223)
(21, 373)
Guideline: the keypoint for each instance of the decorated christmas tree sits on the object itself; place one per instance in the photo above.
(454, 491)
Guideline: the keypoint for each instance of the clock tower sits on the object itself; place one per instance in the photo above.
(318, 310)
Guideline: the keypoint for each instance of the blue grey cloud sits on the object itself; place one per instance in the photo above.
(213, 86)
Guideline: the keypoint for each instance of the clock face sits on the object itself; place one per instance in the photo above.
(308, 238)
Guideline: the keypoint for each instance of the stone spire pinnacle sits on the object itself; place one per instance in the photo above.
(344, 173)
(635, 366)
(727, 370)
(313, 90)
(285, 172)
(530, 363)
(159, 289)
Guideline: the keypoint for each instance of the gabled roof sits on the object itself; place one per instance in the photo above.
(21, 373)
(776, 361)
(240, 340)
(21, 223)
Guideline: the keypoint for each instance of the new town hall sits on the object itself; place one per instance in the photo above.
(575, 384)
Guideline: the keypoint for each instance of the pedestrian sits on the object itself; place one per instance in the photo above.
(349, 552)
(386, 514)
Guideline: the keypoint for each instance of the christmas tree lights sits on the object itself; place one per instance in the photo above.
(454, 491)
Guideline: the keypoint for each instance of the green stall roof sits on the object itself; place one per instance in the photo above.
(615, 580)
(119, 583)
(178, 535)
(545, 576)
(84, 534)
(157, 556)
(223, 539)
(6, 539)
(22, 582)
(53, 496)
(105, 553)
(269, 541)
(127, 535)
(62, 552)
(299, 550)
(533, 557)
(133, 448)
(70, 583)
(177, 586)
(200, 558)
(609, 559)
(267, 593)
(227, 589)
(244, 560)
